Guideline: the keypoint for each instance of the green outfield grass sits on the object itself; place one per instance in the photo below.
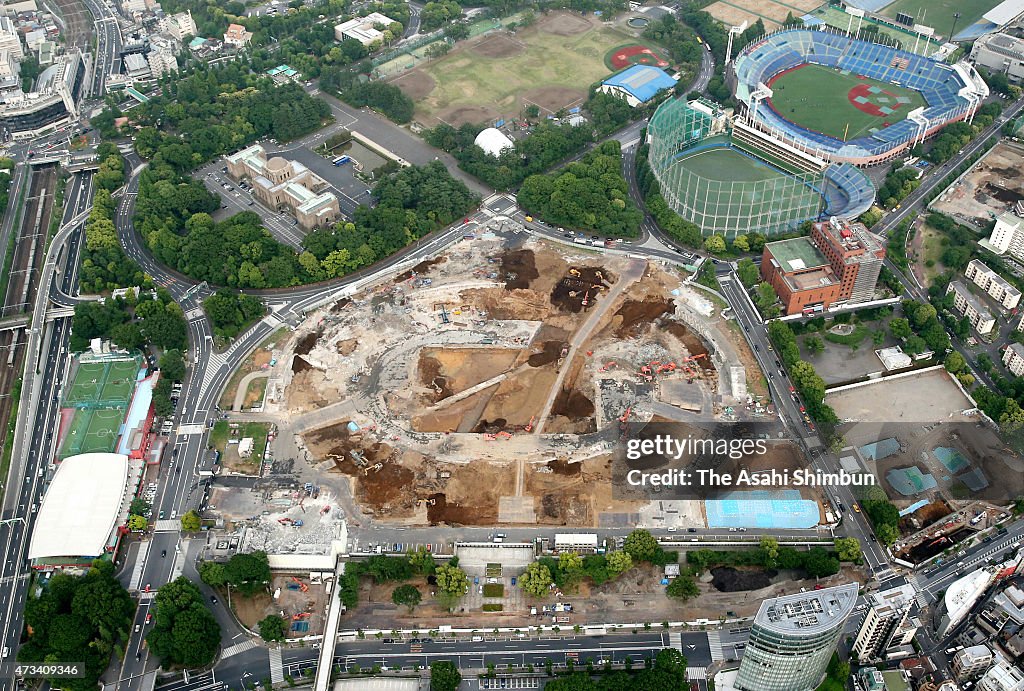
(817, 98)
(938, 14)
(767, 188)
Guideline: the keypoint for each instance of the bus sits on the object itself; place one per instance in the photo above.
(341, 160)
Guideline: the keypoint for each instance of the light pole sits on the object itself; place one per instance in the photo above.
(952, 30)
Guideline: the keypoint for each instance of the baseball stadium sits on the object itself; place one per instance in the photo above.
(731, 179)
(848, 100)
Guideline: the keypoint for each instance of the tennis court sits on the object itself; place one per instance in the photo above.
(92, 430)
(838, 103)
(784, 509)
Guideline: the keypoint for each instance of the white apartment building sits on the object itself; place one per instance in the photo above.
(886, 624)
(162, 62)
(1002, 677)
(1007, 236)
(992, 283)
(180, 25)
(9, 39)
(972, 661)
(362, 28)
(970, 306)
(1013, 358)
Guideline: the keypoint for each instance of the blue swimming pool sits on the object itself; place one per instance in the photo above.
(762, 509)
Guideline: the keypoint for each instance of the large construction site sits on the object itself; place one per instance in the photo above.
(496, 383)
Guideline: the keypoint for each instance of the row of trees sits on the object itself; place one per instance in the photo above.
(84, 618)
(817, 562)
(667, 672)
(806, 381)
(590, 194)
(104, 264)
(247, 573)
(348, 85)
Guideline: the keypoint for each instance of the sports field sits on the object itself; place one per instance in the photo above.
(731, 192)
(549, 64)
(110, 382)
(938, 14)
(840, 104)
(92, 431)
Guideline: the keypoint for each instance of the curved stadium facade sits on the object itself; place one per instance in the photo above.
(952, 92)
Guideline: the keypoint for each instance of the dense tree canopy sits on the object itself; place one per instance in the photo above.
(78, 618)
(230, 311)
(590, 194)
(667, 673)
(184, 631)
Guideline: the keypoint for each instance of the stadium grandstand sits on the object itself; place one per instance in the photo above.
(891, 81)
(730, 179)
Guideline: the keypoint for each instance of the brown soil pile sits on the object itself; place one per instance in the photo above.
(498, 46)
(551, 350)
(570, 293)
(420, 269)
(691, 341)
(572, 404)
(347, 346)
(340, 305)
(637, 315)
(561, 466)
(351, 456)
(726, 579)
(490, 426)
(430, 376)
(299, 364)
(453, 514)
(307, 342)
(518, 269)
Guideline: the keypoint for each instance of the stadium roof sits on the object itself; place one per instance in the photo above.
(1005, 12)
(642, 81)
(796, 254)
(81, 508)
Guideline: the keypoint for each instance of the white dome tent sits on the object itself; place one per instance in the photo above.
(493, 142)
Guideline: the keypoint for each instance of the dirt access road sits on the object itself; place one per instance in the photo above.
(633, 272)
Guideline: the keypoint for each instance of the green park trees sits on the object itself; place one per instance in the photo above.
(641, 545)
(184, 631)
(231, 311)
(536, 580)
(452, 583)
(444, 676)
(190, 522)
(273, 628)
(406, 596)
(589, 194)
(81, 618)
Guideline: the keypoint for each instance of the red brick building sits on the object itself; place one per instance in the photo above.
(839, 262)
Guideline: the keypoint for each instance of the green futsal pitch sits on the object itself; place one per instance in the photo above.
(840, 104)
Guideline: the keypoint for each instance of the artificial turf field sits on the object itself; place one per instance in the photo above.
(767, 190)
(939, 13)
(819, 99)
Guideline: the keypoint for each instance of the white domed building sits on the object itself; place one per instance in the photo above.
(493, 142)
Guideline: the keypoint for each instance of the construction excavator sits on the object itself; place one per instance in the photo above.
(302, 586)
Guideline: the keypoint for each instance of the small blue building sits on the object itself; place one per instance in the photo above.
(638, 84)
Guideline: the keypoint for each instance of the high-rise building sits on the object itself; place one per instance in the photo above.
(1007, 236)
(886, 625)
(839, 262)
(792, 639)
(9, 38)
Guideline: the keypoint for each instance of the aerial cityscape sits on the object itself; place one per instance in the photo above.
(388, 345)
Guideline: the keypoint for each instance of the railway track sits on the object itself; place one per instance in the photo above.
(29, 255)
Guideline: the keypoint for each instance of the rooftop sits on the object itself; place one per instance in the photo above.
(808, 613)
(642, 81)
(972, 300)
(796, 254)
(1005, 12)
(81, 507)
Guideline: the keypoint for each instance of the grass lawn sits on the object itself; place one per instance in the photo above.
(817, 98)
(223, 432)
(770, 190)
(468, 78)
(939, 13)
(931, 241)
(860, 332)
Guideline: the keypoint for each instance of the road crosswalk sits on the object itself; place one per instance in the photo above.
(715, 643)
(237, 648)
(276, 668)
